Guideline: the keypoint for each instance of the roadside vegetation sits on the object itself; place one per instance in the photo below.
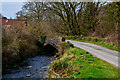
(78, 63)
(96, 40)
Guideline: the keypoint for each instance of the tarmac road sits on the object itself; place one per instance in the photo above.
(103, 53)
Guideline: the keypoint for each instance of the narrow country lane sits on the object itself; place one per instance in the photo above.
(105, 54)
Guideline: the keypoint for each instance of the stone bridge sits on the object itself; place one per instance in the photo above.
(54, 41)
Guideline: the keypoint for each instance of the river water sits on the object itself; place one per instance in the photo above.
(37, 68)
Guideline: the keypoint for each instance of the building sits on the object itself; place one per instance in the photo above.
(13, 22)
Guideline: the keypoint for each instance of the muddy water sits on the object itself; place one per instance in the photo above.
(38, 68)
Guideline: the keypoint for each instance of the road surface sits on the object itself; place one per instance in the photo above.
(103, 53)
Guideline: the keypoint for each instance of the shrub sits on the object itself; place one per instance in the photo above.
(63, 38)
(64, 46)
(42, 39)
(95, 39)
(7, 37)
(59, 65)
(68, 44)
(17, 45)
(72, 37)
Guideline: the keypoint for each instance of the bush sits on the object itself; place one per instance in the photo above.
(63, 38)
(64, 46)
(68, 44)
(87, 38)
(7, 37)
(42, 39)
(17, 45)
(60, 65)
(95, 39)
(71, 37)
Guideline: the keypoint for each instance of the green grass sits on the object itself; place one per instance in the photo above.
(77, 63)
(100, 41)
(104, 44)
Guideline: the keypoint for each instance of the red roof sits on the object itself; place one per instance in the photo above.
(13, 22)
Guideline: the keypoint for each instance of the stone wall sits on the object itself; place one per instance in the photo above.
(54, 41)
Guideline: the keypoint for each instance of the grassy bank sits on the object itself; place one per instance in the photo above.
(99, 41)
(77, 63)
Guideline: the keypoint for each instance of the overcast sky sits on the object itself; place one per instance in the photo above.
(9, 9)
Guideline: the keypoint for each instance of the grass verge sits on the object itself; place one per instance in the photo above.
(77, 63)
(104, 44)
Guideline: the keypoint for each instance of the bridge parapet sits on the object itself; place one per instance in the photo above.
(54, 41)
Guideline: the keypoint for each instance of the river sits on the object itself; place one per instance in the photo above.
(37, 68)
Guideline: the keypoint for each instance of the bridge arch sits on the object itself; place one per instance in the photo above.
(50, 49)
(54, 41)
